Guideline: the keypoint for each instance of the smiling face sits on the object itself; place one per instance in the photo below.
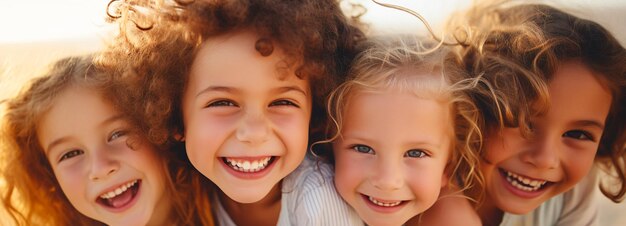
(523, 173)
(246, 117)
(391, 155)
(85, 140)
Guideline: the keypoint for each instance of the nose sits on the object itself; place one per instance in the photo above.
(543, 153)
(103, 164)
(254, 128)
(388, 175)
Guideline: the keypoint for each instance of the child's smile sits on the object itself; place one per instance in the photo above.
(87, 144)
(523, 172)
(119, 198)
(249, 167)
(390, 168)
(246, 116)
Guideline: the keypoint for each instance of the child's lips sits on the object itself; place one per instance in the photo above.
(383, 205)
(121, 197)
(249, 168)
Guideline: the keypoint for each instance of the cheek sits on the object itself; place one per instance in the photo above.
(72, 185)
(347, 174)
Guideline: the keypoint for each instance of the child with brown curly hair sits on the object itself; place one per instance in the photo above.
(243, 85)
(559, 82)
(74, 157)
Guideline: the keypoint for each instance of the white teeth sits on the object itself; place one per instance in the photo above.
(385, 204)
(247, 166)
(524, 183)
(118, 191)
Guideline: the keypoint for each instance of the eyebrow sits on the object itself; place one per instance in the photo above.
(226, 89)
(357, 138)
(65, 139)
(591, 123)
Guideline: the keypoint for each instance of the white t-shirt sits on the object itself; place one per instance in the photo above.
(572, 208)
(308, 198)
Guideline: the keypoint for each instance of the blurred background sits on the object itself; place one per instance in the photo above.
(34, 33)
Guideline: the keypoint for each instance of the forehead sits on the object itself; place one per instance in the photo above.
(398, 115)
(235, 56)
(72, 111)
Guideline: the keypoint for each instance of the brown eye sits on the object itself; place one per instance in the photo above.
(283, 103)
(71, 154)
(578, 135)
(222, 103)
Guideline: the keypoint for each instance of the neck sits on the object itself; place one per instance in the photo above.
(489, 213)
(263, 212)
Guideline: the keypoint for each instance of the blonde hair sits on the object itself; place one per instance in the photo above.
(32, 195)
(407, 64)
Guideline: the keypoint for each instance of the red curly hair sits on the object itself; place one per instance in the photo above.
(32, 195)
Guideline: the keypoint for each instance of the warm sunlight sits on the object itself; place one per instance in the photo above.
(35, 33)
(39, 20)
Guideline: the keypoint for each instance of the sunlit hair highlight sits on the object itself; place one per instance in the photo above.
(518, 47)
(408, 64)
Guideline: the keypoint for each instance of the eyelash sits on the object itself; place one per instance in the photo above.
(228, 103)
(283, 103)
(421, 153)
(368, 150)
(576, 134)
(116, 134)
(71, 154)
(222, 103)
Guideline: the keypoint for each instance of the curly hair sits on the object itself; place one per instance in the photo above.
(518, 48)
(408, 64)
(32, 195)
(158, 41)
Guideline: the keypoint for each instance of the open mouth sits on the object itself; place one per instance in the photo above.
(524, 183)
(249, 165)
(121, 196)
(381, 205)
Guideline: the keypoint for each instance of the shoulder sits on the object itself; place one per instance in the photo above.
(311, 175)
(440, 212)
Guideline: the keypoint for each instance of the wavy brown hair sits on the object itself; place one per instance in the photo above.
(158, 41)
(32, 195)
(518, 48)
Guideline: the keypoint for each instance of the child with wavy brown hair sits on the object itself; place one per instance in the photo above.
(242, 84)
(403, 130)
(560, 86)
(72, 156)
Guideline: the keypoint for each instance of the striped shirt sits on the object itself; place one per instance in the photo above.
(309, 198)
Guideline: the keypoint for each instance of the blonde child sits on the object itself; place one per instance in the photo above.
(402, 128)
(74, 158)
(242, 84)
(560, 83)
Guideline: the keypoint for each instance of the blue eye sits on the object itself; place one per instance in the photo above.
(283, 103)
(415, 153)
(71, 154)
(363, 149)
(116, 134)
(578, 135)
(222, 103)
